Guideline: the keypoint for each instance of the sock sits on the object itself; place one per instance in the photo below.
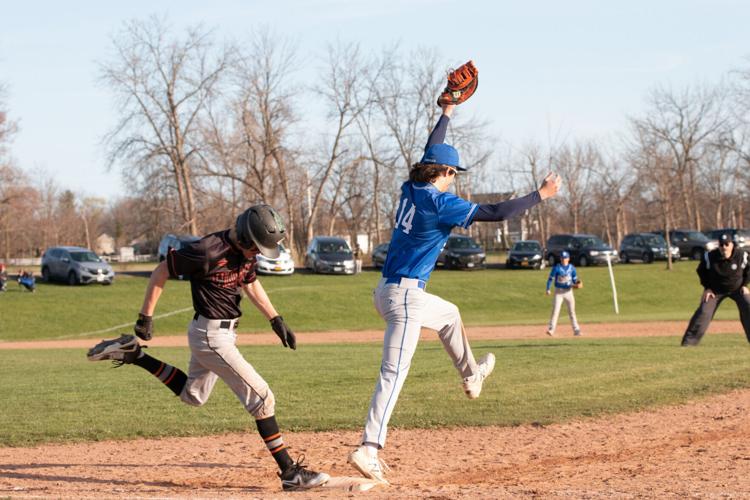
(371, 449)
(172, 377)
(269, 431)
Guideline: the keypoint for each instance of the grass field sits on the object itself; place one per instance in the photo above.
(56, 395)
(316, 302)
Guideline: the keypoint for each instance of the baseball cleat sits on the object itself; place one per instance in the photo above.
(577, 333)
(473, 384)
(297, 477)
(368, 466)
(122, 350)
(550, 333)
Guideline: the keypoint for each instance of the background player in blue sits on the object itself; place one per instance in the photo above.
(565, 278)
(424, 219)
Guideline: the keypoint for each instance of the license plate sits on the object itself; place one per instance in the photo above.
(99, 277)
(338, 268)
(277, 268)
(524, 264)
(470, 264)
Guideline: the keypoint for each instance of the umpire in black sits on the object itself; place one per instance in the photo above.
(724, 272)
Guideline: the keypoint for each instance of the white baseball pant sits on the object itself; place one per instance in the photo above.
(561, 295)
(406, 309)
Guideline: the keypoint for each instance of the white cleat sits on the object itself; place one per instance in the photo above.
(473, 384)
(370, 467)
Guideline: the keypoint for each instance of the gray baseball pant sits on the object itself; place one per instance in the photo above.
(214, 355)
(705, 313)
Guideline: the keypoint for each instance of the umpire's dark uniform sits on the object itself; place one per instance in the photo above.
(725, 278)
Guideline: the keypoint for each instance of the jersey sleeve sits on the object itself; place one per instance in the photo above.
(248, 272)
(191, 260)
(454, 211)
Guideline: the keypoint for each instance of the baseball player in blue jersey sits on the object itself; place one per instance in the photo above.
(425, 216)
(565, 278)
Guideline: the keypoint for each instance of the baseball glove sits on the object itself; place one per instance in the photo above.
(462, 83)
(578, 284)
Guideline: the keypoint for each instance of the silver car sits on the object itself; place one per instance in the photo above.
(75, 266)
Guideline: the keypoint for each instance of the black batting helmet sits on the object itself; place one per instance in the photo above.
(262, 225)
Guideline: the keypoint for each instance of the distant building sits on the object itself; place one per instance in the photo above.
(104, 245)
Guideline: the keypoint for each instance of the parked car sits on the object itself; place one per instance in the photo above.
(461, 252)
(584, 249)
(692, 243)
(75, 265)
(379, 253)
(283, 265)
(646, 247)
(174, 241)
(329, 254)
(526, 253)
(741, 237)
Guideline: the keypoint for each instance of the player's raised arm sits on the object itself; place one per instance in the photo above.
(493, 212)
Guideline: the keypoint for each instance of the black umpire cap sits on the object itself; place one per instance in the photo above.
(725, 238)
(263, 226)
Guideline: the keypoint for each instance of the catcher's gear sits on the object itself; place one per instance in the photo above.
(462, 83)
(285, 334)
(578, 284)
(144, 327)
(263, 226)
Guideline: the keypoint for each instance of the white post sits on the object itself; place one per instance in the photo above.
(612, 280)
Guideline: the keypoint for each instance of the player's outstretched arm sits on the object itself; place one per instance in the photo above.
(144, 326)
(550, 186)
(258, 296)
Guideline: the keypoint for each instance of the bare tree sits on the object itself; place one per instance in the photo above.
(162, 85)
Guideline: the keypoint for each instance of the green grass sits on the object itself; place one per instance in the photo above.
(58, 396)
(316, 302)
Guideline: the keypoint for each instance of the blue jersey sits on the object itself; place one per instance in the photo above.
(563, 276)
(424, 220)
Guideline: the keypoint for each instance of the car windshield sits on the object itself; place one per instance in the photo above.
(654, 240)
(463, 243)
(334, 247)
(696, 235)
(526, 246)
(84, 257)
(591, 241)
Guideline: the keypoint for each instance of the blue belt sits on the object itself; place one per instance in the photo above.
(422, 284)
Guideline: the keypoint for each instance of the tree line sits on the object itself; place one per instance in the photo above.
(207, 127)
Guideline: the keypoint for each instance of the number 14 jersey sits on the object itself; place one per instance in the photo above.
(424, 220)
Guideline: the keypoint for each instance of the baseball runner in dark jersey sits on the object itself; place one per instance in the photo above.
(220, 266)
(724, 273)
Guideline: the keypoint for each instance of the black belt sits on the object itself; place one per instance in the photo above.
(224, 323)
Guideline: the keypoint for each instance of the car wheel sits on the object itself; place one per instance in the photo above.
(648, 257)
(551, 260)
(697, 254)
(583, 261)
(45, 275)
(72, 279)
(625, 258)
(508, 265)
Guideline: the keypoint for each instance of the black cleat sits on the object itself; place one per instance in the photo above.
(121, 351)
(297, 477)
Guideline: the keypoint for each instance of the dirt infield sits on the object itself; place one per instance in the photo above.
(595, 330)
(700, 449)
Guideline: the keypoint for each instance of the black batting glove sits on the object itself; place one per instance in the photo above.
(285, 334)
(144, 327)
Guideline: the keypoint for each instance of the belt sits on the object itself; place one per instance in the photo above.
(406, 282)
(225, 324)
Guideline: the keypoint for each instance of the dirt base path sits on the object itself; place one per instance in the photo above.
(701, 449)
(596, 330)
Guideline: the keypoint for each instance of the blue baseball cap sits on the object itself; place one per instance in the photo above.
(442, 154)
(564, 254)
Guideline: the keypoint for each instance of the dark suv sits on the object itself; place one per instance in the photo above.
(741, 237)
(646, 247)
(691, 243)
(584, 249)
(461, 251)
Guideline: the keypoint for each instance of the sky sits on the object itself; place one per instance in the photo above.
(577, 68)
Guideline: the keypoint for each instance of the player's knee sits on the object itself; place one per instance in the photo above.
(262, 407)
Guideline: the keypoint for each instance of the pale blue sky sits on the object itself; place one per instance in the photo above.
(582, 66)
